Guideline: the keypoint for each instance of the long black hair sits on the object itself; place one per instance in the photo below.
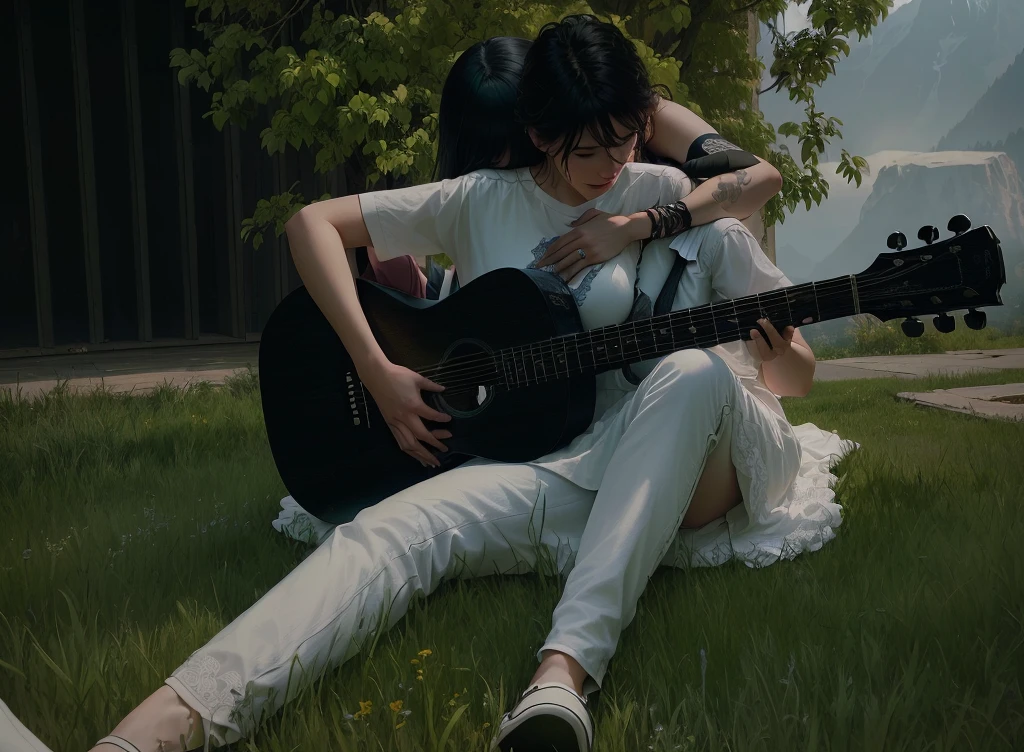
(581, 74)
(476, 126)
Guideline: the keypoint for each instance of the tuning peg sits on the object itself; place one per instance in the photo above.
(912, 327)
(975, 319)
(944, 323)
(897, 241)
(959, 224)
(929, 234)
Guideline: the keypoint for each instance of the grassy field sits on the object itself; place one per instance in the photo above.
(134, 528)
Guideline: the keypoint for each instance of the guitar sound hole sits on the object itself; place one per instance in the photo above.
(467, 366)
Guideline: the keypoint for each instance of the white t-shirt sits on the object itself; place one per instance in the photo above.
(492, 219)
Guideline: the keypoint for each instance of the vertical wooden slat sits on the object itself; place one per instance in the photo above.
(186, 192)
(279, 245)
(87, 172)
(140, 228)
(233, 182)
(36, 188)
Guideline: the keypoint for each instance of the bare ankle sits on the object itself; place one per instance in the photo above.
(163, 722)
(560, 667)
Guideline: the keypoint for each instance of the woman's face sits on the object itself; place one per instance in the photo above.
(592, 169)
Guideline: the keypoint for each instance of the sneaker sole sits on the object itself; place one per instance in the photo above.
(543, 733)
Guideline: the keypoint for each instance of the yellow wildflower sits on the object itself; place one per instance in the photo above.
(396, 706)
(425, 653)
(365, 708)
(487, 725)
(415, 661)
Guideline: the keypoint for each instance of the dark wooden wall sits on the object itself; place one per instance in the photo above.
(122, 213)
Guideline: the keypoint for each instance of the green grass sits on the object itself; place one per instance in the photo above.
(134, 528)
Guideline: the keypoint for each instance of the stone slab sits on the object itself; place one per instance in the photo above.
(982, 401)
(916, 366)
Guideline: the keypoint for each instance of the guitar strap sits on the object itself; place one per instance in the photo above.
(642, 308)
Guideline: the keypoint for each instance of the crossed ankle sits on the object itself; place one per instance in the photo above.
(162, 723)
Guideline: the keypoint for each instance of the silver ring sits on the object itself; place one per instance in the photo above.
(582, 253)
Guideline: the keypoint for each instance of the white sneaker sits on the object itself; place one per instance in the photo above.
(14, 737)
(549, 717)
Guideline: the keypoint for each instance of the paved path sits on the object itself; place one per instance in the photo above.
(127, 370)
(916, 366)
(140, 370)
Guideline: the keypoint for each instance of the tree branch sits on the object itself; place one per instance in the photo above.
(699, 13)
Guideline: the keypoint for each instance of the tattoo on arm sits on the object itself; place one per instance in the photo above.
(730, 191)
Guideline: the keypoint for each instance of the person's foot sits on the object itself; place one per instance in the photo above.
(550, 717)
(162, 723)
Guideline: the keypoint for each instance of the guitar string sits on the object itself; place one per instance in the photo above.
(823, 292)
(477, 364)
(462, 371)
(486, 365)
(471, 382)
(599, 335)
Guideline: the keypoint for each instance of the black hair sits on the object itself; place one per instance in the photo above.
(581, 74)
(476, 125)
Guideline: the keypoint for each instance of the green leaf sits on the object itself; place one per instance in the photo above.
(5, 665)
(442, 743)
(334, 80)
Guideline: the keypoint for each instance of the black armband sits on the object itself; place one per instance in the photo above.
(710, 155)
(721, 163)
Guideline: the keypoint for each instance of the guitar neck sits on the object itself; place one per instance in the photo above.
(611, 347)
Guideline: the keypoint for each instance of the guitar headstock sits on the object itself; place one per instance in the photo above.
(962, 272)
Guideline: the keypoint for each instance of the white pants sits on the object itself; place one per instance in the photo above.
(490, 518)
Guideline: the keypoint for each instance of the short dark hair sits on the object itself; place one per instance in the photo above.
(581, 74)
(476, 121)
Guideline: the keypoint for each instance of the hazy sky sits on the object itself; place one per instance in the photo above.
(796, 17)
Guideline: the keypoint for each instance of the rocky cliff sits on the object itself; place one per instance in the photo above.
(927, 189)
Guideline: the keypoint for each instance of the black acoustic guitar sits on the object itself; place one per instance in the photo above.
(518, 368)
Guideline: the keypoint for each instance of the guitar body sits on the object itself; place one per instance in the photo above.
(332, 448)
